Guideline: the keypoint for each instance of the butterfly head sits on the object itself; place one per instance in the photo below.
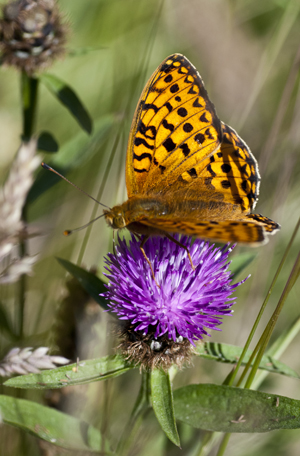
(115, 218)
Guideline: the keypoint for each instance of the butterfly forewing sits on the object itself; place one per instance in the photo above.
(174, 128)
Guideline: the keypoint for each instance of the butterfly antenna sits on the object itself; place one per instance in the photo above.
(78, 188)
(68, 232)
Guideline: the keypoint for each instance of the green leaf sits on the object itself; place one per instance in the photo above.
(47, 142)
(84, 50)
(162, 403)
(225, 353)
(5, 322)
(66, 95)
(92, 284)
(230, 409)
(73, 374)
(48, 424)
(72, 155)
(240, 262)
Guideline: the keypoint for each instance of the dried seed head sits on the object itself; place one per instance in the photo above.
(13, 196)
(12, 199)
(31, 34)
(149, 352)
(25, 361)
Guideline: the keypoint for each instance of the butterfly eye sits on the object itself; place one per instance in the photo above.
(115, 219)
(118, 222)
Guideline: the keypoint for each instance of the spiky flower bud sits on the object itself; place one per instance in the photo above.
(31, 34)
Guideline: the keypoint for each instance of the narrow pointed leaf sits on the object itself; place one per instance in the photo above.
(229, 409)
(85, 50)
(162, 403)
(47, 142)
(48, 424)
(66, 95)
(73, 374)
(5, 322)
(71, 155)
(225, 353)
(92, 284)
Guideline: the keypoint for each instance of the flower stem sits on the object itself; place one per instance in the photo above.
(140, 408)
(29, 96)
(264, 339)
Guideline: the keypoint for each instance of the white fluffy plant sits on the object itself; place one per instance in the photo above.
(12, 199)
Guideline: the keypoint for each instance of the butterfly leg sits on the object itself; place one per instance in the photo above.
(146, 258)
(183, 247)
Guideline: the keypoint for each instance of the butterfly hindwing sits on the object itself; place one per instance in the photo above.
(247, 230)
(175, 127)
(231, 172)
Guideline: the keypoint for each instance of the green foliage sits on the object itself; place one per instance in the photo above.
(228, 409)
(250, 66)
(73, 374)
(66, 95)
(162, 403)
(47, 142)
(224, 353)
(92, 284)
(49, 424)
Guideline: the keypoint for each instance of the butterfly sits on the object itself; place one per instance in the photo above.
(187, 171)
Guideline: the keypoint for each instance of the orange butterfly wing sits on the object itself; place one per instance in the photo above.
(174, 127)
(180, 153)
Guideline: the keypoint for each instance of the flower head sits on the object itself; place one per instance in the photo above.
(31, 34)
(186, 303)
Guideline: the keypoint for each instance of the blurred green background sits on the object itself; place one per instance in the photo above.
(248, 53)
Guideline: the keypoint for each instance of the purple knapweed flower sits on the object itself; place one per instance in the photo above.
(186, 302)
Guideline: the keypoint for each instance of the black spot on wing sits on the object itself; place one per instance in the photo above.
(169, 106)
(192, 91)
(203, 118)
(243, 169)
(208, 134)
(182, 112)
(146, 130)
(226, 168)
(225, 184)
(169, 144)
(174, 88)
(210, 170)
(187, 127)
(200, 138)
(196, 104)
(148, 106)
(167, 125)
(244, 185)
(139, 141)
(168, 78)
(143, 170)
(192, 172)
(142, 156)
(185, 149)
